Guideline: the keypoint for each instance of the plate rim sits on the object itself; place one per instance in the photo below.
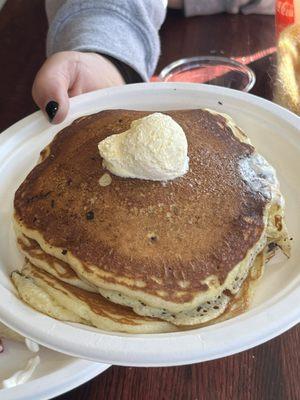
(290, 319)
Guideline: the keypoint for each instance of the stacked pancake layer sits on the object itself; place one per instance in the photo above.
(166, 253)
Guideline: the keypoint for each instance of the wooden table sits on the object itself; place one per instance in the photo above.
(269, 371)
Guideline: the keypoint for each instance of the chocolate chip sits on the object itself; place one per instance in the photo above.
(89, 215)
(219, 102)
(64, 252)
(272, 246)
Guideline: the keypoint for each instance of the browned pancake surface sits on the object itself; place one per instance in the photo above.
(187, 229)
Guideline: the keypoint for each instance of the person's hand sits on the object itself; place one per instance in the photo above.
(67, 74)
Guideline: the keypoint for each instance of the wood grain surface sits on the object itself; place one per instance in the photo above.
(270, 371)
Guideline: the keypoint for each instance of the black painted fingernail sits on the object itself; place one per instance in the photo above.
(51, 109)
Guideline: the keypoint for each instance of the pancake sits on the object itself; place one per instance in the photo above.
(47, 294)
(62, 301)
(175, 250)
(61, 270)
(241, 301)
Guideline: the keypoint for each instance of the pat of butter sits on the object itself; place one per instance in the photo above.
(154, 148)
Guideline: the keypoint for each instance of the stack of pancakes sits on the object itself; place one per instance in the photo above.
(142, 256)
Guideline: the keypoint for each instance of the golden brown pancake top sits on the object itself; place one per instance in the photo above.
(169, 235)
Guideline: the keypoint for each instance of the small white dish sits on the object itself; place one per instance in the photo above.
(56, 373)
(275, 133)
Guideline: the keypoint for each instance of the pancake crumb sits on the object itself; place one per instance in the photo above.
(105, 180)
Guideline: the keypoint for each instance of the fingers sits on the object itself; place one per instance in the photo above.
(50, 87)
(70, 73)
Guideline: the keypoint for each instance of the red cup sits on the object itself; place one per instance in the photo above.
(285, 14)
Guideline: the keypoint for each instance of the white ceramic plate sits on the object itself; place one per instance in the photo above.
(273, 130)
(56, 373)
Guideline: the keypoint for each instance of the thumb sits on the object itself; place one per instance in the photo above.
(50, 89)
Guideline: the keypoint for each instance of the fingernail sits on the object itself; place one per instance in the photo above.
(51, 109)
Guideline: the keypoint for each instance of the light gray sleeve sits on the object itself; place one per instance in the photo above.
(205, 7)
(124, 29)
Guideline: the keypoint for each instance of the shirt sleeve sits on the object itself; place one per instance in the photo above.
(125, 30)
(204, 7)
